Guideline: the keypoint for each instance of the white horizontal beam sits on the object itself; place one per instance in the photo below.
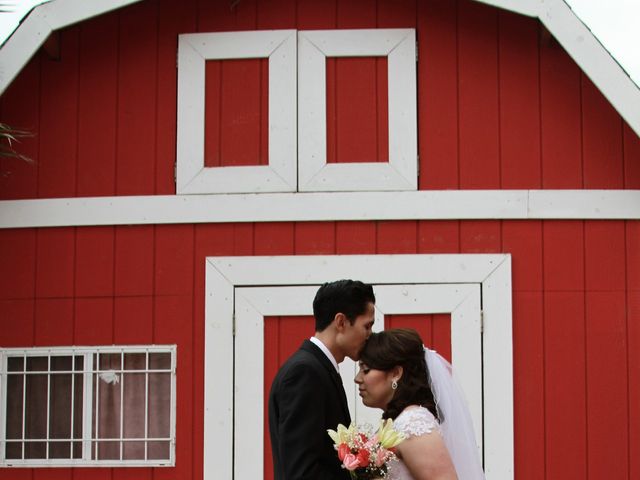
(337, 206)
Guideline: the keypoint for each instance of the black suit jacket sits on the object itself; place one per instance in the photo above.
(306, 399)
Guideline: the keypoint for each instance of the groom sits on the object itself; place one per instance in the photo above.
(307, 396)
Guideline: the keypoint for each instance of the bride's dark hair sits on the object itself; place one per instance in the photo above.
(401, 347)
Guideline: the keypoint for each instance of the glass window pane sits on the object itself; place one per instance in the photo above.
(107, 450)
(134, 404)
(78, 405)
(159, 405)
(13, 450)
(135, 361)
(158, 451)
(59, 449)
(35, 450)
(61, 363)
(108, 396)
(133, 451)
(60, 405)
(109, 361)
(14, 406)
(37, 364)
(79, 363)
(36, 407)
(160, 361)
(15, 364)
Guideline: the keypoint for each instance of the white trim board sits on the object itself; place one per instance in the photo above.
(334, 206)
(194, 49)
(556, 15)
(226, 275)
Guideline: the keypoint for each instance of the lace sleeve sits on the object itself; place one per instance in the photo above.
(416, 421)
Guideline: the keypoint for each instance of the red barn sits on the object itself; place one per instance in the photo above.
(200, 167)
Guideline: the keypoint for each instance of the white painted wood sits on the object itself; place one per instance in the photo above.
(498, 372)
(218, 386)
(587, 204)
(38, 25)
(224, 274)
(193, 51)
(400, 173)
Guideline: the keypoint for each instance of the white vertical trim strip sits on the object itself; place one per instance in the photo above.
(146, 405)
(73, 397)
(122, 377)
(87, 414)
(48, 405)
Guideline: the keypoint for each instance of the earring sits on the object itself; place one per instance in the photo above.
(394, 385)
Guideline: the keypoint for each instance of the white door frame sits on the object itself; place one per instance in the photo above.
(224, 275)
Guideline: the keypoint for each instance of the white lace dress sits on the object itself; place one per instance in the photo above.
(412, 422)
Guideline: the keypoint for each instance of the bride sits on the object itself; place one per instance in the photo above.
(414, 387)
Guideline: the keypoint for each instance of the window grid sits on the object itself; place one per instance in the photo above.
(90, 374)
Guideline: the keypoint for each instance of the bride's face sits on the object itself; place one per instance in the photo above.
(374, 386)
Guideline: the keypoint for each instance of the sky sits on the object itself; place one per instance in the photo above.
(613, 22)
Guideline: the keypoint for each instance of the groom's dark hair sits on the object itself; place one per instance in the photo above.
(349, 297)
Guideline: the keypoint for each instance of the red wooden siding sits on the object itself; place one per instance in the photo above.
(576, 304)
(500, 104)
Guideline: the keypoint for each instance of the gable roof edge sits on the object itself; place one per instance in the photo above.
(556, 15)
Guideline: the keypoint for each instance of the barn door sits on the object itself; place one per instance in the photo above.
(258, 311)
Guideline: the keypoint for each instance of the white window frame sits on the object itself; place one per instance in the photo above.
(279, 46)
(225, 275)
(252, 304)
(401, 172)
(87, 409)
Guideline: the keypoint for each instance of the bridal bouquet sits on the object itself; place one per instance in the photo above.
(366, 454)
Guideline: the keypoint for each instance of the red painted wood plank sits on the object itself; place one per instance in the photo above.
(440, 236)
(94, 261)
(523, 240)
(52, 473)
(173, 18)
(133, 320)
(357, 110)
(357, 14)
(54, 262)
(94, 321)
(397, 13)
(602, 140)
(18, 260)
(519, 101)
(397, 237)
(173, 324)
(212, 120)
(563, 255)
(274, 14)
(315, 238)
(437, 95)
(355, 237)
(421, 323)
(632, 229)
(528, 394)
(58, 132)
(316, 14)
(137, 92)
(604, 255)
(565, 407)
(606, 329)
(244, 87)
(243, 235)
(16, 323)
(134, 257)
(274, 238)
(480, 236)
(20, 109)
(54, 318)
(631, 151)
(478, 96)
(16, 474)
(633, 351)
(560, 106)
(441, 328)
(97, 106)
(174, 259)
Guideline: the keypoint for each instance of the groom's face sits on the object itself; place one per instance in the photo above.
(355, 335)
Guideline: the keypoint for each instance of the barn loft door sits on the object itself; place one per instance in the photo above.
(258, 310)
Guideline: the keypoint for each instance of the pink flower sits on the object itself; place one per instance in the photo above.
(350, 461)
(343, 450)
(381, 456)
